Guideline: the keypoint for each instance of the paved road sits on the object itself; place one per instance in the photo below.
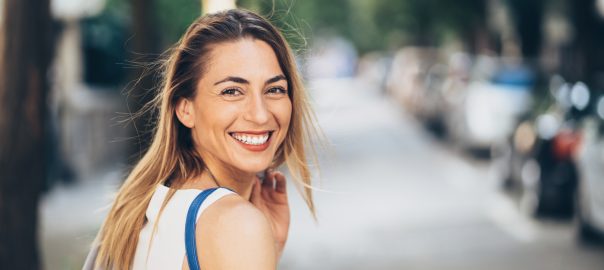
(397, 199)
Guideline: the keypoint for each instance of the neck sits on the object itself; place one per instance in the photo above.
(219, 174)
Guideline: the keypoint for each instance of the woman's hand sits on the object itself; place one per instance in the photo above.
(271, 198)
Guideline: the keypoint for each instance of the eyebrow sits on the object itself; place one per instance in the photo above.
(244, 81)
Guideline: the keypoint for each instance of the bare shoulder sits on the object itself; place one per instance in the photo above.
(233, 234)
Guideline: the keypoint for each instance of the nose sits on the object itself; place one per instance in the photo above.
(256, 110)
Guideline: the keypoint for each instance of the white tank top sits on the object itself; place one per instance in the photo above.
(167, 250)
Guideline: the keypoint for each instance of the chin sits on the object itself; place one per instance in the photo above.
(252, 166)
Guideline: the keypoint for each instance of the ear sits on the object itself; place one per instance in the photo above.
(185, 112)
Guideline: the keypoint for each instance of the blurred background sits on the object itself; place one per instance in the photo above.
(463, 134)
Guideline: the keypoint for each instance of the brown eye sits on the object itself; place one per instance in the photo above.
(231, 92)
(277, 90)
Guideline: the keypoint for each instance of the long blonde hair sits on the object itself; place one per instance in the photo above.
(172, 156)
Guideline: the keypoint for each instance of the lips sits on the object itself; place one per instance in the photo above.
(253, 140)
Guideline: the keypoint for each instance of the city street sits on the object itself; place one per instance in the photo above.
(452, 135)
(390, 196)
(396, 198)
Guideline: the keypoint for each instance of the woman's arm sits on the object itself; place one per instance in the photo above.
(235, 235)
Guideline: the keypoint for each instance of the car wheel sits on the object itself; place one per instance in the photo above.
(586, 233)
(501, 166)
(565, 177)
(530, 198)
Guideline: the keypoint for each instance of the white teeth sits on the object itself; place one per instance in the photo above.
(251, 139)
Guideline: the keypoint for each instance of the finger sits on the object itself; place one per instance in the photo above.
(269, 180)
(281, 182)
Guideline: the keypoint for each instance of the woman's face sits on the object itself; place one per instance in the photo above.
(241, 111)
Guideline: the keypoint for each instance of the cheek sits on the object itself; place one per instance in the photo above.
(283, 113)
(212, 122)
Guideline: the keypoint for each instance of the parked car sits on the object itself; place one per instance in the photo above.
(590, 164)
(509, 157)
(414, 80)
(492, 104)
(537, 160)
(550, 189)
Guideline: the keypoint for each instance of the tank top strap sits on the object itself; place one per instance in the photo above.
(193, 214)
(213, 197)
(167, 248)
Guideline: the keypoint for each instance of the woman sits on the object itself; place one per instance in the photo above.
(232, 106)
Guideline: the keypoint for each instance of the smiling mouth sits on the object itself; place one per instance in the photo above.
(252, 139)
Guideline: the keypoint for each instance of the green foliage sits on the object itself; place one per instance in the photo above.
(374, 25)
(371, 25)
(291, 17)
(103, 42)
(174, 16)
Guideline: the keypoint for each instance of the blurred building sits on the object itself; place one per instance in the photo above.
(87, 138)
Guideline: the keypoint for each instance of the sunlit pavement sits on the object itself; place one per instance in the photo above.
(395, 198)
(70, 217)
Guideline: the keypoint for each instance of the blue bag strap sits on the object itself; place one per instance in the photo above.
(190, 245)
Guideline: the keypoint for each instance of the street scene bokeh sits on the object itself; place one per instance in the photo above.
(461, 134)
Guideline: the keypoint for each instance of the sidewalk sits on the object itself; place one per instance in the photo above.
(70, 217)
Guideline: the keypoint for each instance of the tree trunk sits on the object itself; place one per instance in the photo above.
(24, 59)
(528, 19)
(145, 47)
(586, 58)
